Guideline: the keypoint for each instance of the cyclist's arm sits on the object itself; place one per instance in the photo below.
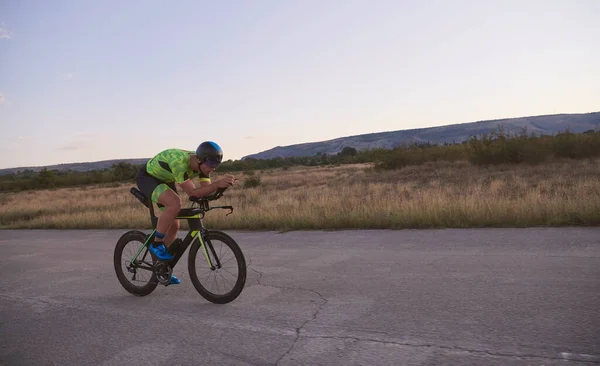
(204, 189)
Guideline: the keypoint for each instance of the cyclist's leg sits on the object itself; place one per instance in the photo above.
(169, 238)
(162, 194)
(171, 205)
(172, 233)
(168, 203)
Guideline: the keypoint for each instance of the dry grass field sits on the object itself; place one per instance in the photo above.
(435, 195)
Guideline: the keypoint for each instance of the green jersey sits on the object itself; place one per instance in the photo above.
(173, 165)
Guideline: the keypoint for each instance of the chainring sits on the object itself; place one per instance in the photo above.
(163, 272)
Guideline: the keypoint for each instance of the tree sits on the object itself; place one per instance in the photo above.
(46, 178)
(348, 151)
(123, 171)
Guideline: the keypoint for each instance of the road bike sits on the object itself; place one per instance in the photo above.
(222, 273)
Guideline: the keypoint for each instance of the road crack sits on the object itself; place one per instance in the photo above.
(592, 359)
(582, 358)
(299, 329)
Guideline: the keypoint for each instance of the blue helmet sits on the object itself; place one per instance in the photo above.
(210, 153)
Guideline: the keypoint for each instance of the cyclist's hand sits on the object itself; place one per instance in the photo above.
(226, 181)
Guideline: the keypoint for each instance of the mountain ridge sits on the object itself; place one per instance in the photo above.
(453, 133)
(76, 167)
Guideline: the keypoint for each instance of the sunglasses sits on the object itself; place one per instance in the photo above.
(211, 163)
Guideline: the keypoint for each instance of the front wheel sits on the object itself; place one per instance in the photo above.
(220, 278)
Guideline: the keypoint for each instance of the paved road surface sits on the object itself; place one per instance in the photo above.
(429, 297)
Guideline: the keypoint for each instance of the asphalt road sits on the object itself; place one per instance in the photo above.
(413, 297)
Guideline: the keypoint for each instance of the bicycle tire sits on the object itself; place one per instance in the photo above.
(241, 266)
(125, 239)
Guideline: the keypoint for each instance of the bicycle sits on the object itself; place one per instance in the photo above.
(200, 239)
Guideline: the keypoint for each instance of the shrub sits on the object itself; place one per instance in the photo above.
(501, 148)
(252, 182)
(576, 146)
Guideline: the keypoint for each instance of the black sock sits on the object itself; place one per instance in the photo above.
(160, 237)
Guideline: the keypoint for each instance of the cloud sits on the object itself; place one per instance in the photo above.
(79, 141)
(69, 148)
(1, 98)
(4, 32)
(19, 139)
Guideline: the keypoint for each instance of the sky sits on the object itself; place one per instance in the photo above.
(86, 80)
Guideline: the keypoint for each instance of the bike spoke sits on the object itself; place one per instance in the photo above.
(226, 280)
(215, 280)
(232, 275)
(142, 275)
(223, 262)
(207, 275)
(221, 251)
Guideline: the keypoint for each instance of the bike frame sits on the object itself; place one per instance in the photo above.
(197, 230)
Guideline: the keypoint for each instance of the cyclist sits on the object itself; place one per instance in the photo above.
(157, 180)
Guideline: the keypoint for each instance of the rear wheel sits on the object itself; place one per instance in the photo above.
(136, 277)
(225, 280)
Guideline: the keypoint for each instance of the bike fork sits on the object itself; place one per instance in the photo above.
(204, 243)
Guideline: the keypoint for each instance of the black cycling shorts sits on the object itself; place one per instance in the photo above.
(147, 184)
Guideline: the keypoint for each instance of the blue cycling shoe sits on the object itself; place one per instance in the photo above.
(160, 252)
(174, 280)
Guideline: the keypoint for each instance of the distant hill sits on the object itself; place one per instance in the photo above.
(546, 125)
(76, 167)
(456, 133)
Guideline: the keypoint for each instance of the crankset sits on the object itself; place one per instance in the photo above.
(163, 272)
